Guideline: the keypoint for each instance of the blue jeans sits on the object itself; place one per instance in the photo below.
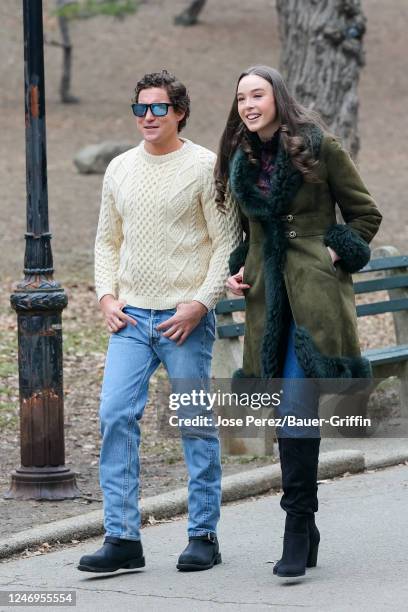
(134, 353)
(298, 445)
(300, 396)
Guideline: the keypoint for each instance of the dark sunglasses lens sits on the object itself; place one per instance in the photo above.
(139, 109)
(159, 110)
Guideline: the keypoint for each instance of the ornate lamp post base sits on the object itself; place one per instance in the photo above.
(52, 483)
(39, 301)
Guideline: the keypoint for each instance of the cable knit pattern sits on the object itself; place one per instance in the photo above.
(160, 238)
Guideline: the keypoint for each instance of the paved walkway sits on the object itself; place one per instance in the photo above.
(362, 560)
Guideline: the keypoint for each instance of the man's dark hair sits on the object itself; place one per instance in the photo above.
(176, 91)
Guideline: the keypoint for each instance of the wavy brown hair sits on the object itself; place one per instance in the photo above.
(176, 91)
(292, 118)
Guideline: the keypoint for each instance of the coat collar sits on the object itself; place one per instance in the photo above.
(285, 183)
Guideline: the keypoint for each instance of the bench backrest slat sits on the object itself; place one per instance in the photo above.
(364, 310)
(231, 331)
(377, 284)
(386, 263)
(226, 306)
(392, 354)
(381, 284)
(386, 283)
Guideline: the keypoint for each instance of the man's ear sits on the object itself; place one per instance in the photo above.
(180, 115)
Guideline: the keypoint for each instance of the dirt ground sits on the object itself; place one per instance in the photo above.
(109, 56)
(85, 341)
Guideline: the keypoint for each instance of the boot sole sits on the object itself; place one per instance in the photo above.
(311, 560)
(132, 564)
(193, 567)
(289, 575)
(308, 565)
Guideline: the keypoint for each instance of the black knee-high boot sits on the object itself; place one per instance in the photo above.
(299, 461)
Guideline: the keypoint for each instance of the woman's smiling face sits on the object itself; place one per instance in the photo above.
(256, 106)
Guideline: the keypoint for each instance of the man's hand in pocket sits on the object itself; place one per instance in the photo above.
(115, 319)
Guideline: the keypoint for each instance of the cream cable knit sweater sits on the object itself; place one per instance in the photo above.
(160, 238)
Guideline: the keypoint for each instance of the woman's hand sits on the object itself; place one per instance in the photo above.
(115, 319)
(333, 255)
(235, 284)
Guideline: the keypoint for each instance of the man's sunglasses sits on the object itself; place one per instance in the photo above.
(158, 109)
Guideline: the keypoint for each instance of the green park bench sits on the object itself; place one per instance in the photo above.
(387, 270)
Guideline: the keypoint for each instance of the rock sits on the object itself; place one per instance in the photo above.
(94, 159)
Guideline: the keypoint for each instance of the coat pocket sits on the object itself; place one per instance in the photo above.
(329, 260)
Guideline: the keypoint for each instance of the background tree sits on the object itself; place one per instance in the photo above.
(190, 14)
(67, 10)
(321, 58)
(65, 85)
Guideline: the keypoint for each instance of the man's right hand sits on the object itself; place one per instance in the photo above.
(235, 284)
(115, 319)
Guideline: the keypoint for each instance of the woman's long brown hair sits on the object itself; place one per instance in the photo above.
(292, 117)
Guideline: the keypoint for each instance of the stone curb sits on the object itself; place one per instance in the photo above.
(168, 505)
(386, 460)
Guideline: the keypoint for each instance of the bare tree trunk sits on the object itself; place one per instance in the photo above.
(190, 15)
(322, 55)
(65, 85)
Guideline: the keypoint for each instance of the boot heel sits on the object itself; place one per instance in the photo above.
(312, 557)
(294, 556)
(135, 563)
(218, 559)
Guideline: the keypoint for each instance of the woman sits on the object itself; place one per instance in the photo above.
(286, 172)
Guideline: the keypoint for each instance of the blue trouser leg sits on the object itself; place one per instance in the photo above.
(133, 355)
(300, 396)
(298, 446)
(129, 364)
(189, 368)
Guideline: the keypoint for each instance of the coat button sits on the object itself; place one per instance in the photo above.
(292, 234)
(289, 218)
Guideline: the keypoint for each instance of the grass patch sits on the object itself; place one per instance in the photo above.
(9, 412)
(8, 368)
(244, 459)
(85, 340)
(9, 404)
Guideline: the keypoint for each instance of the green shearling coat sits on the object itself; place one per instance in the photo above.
(289, 267)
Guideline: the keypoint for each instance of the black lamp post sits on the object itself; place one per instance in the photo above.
(39, 301)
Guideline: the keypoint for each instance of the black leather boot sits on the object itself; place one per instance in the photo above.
(202, 553)
(314, 539)
(115, 554)
(299, 462)
(299, 459)
(296, 548)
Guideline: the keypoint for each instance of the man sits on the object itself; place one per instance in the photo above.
(161, 261)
